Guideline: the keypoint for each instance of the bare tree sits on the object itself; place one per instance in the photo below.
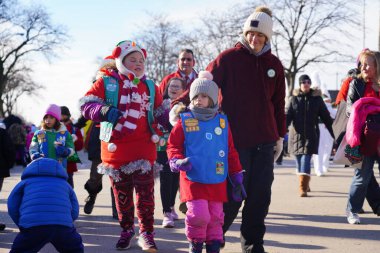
(24, 31)
(310, 32)
(161, 41)
(19, 83)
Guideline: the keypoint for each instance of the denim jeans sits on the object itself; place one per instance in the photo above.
(359, 185)
(303, 164)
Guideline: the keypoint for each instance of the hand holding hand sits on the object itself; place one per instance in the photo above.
(180, 164)
(238, 191)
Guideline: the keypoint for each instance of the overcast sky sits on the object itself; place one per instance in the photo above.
(96, 26)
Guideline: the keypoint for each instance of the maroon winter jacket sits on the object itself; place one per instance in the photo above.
(252, 95)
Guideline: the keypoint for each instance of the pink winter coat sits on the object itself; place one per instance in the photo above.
(360, 109)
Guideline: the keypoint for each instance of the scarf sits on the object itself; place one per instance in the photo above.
(204, 114)
(129, 104)
(245, 43)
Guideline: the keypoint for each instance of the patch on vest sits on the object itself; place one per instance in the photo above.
(111, 86)
(191, 125)
(222, 123)
(219, 168)
(218, 131)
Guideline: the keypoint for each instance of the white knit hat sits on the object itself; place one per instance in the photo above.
(204, 84)
(122, 49)
(259, 21)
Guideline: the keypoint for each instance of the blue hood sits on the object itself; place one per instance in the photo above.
(44, 167)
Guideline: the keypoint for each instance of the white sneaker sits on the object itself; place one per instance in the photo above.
(167, 221)
(174, 214)
(352, 218)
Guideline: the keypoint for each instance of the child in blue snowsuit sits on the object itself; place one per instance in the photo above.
(44, 206)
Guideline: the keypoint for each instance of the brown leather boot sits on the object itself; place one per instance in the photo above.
(304, 185)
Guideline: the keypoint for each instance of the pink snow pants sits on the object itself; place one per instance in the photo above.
(204, 220)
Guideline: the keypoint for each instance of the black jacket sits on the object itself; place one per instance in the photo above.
(7, 153)
(302, 115)
(355, 92)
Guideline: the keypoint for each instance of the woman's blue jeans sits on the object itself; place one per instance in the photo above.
(359, 185)
(303, 164)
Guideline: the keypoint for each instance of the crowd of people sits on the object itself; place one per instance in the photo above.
(200, 133)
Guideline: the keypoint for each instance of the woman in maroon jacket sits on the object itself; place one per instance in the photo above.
(252, 84)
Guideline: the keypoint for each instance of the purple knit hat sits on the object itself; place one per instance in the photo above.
(54, 110)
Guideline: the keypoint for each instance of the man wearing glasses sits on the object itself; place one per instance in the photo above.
(185, 70)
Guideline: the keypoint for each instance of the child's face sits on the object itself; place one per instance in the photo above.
(175, 89)
(201, 101)
(49, 121)
(135, 63)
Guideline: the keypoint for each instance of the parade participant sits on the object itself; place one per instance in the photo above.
(366, 85)
(303, 112)
(44, 207)
(76, 134)
(124, 100)
(200, 146)
(252, 84)
(52, 140)
(169, 181)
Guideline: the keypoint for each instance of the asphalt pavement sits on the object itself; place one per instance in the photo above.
(294, 224)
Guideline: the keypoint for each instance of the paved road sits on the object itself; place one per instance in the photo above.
(294, 224)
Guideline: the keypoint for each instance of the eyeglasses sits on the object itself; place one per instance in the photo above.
(175, 87)
(186, 59)
(306, 82)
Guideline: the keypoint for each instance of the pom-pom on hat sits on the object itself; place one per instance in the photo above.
(204, 84)
(54, 110)
(121, 50)
(260, 21)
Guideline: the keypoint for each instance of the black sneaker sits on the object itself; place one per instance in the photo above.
(90, 202)
(2, 226)
(126, 237)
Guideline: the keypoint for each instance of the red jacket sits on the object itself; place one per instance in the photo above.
(342, 94)
(78, 144)
(191, 190)
(252, 95)
(132, 146)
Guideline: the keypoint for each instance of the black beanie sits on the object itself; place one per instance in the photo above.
(303, 78)
(65, 111)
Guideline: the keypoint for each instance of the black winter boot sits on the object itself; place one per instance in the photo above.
(213, 246)
(195, 247)
(90, 202)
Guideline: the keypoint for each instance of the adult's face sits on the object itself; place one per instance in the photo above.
(186, 62)
(368, 68)
(305, 86)
(256, 41)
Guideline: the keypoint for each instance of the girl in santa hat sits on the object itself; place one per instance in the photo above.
(124, 100)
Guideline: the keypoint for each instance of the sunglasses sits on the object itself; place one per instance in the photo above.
(306, 82)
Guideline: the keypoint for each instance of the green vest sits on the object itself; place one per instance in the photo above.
(111, 86)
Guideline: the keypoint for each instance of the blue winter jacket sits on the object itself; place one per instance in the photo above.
(43, 197)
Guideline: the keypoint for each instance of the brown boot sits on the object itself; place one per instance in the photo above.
(304, 184)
